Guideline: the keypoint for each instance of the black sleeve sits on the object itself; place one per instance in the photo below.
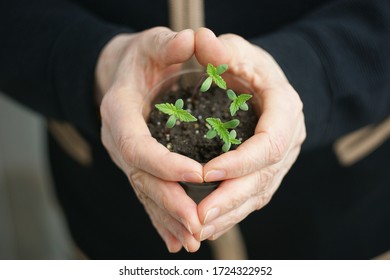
(338, 60)
(48, 53)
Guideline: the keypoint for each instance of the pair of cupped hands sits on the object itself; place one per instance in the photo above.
(129, 66)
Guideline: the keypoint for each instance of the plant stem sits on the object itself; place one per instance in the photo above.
(196, 88)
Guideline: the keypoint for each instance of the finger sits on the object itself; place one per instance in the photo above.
(227, 48)
(234, 211)
(163, 219)
(160, 200)
(169, 196)
(230, 219)
(167, 47)
(172, 243)
(281, 115)
(233, 193)
(237, 198)
(121, 114)
(209, 49)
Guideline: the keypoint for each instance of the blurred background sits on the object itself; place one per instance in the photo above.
(31, 222)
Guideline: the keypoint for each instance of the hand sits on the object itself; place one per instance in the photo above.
(253, 172)
(127, 69)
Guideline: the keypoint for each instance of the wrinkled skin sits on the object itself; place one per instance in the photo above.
(127, 69)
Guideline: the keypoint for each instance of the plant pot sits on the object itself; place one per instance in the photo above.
(198, 191)
(189, 137)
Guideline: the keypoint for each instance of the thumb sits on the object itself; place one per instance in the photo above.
(210, 49)
(167, 47)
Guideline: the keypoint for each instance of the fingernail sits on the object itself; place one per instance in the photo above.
(187, 225)
(206, 232)
(211, 215)
(192, 177)
(215, 175)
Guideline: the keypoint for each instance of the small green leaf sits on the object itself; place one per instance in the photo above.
(231, 124)
(171, 121)
(179, 104)
(222, 68)
(219, 81)
(211, 134)
(185, 116)
(213, 72)
(213, 122)
(233, 140)
(244, 107)
(166, 108)
(206, 84)
(226, 147)
(175, 112)
(232, 96)
(238, 102)
(219, 127)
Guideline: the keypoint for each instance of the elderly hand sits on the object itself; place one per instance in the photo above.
(127, 69)
(253, 172)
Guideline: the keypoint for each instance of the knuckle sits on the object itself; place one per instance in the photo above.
(136, 178)
(107, 105)
(103, 108)
(166, 221)
(303, 133)
(105, 141)
(263, 178)
(159, 30)
(214, 237)
(266, 198)
(233, 204)
(302, 137)
(236, 217)
(143, 198)
(137, 181)
(126, 149)
(263, 200)
(295, 101)
(164, 201)
(248, 164)
(232, 37)
(161, 35)
(278, 145)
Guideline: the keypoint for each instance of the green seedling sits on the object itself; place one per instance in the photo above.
(175, 111)
(214, 75)
(238, 102)
(217, 127)
(224, 130)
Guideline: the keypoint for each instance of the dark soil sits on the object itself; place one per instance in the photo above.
(189, 138)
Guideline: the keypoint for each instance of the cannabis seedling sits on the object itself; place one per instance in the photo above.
(214, 74)
(238, 102)
(215, 125)
(175, 111)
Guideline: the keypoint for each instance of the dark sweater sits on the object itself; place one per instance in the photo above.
(336, 54)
